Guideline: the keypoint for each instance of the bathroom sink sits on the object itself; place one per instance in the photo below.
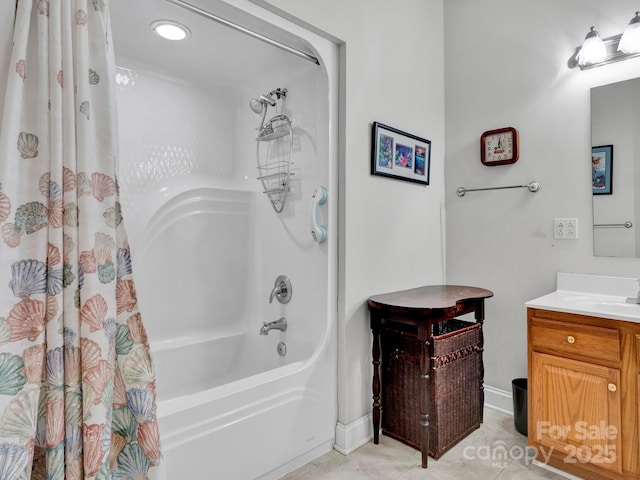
(620, 307)
(599, 304)
(592, 295)
(587, 303)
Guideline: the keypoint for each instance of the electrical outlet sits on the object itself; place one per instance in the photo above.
(565, 228)
(558, 228)
(572, 228)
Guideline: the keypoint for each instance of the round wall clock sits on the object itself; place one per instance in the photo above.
(499, 147)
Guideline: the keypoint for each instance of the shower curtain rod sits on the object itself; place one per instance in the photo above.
(235, 26)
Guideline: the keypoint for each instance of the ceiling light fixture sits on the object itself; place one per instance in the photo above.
(170, 30)
(595, 51)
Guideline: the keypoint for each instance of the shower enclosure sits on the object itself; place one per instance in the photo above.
(209, 241)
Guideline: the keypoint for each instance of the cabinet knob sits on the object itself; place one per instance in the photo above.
(571, 339)
(612, 387)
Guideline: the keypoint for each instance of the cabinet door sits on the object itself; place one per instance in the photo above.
(576, 408)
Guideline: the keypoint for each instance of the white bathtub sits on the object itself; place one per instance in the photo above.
(193, 365)
(241, 415)
(229, 406)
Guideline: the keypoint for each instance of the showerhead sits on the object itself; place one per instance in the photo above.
(259, 105)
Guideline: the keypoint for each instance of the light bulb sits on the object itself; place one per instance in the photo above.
(593, 49)
(170, 30)
(630, 41)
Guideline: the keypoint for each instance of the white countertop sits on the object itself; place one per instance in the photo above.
(592, 295)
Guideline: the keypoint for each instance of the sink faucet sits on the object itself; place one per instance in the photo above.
(635, 299)
(280, 324)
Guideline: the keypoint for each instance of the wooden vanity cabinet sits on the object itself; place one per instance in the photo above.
(583, 394)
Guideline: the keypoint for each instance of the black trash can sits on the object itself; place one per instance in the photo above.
(519, 386)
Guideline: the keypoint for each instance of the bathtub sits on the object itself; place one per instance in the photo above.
(263, 419)
(188, 366)
(222, 387)
(230, 406)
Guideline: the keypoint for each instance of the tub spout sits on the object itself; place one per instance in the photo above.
(280, 324)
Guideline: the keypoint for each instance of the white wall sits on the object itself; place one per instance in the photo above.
(506, 65)
(389, 229)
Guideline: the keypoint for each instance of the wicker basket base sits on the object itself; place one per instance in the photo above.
(456, 396)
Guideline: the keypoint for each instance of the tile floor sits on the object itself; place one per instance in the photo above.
(470, 459)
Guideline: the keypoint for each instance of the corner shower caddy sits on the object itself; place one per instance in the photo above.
(274, 162)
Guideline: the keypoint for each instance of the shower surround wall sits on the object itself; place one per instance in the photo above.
(208, 247)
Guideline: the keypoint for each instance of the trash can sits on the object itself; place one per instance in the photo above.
(519, 386)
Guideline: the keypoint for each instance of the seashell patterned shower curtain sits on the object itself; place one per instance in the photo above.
(77, 386)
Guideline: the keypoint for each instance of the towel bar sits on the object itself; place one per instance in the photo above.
(533, 187)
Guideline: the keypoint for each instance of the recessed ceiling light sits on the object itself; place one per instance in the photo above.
(170, 30)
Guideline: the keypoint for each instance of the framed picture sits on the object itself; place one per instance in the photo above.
(602, 169)
(399, 154)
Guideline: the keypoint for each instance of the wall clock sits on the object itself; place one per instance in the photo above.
(499, 147)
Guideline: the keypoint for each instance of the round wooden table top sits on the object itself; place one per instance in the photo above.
(430, 297)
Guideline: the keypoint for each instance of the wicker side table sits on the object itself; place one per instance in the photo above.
(419, 309)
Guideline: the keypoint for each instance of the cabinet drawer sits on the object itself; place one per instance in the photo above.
(599, 343)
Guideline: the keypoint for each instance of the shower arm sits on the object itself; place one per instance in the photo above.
(264, 116)
(239, 28)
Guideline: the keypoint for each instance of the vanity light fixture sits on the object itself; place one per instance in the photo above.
(595, 51)
(170, 30)
(630, 41)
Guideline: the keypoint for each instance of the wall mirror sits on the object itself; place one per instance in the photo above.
(615, 164)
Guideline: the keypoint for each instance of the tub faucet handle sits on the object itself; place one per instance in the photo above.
(281, 290)
(277, 290)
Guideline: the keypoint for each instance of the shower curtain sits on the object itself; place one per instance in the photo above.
(77, 386)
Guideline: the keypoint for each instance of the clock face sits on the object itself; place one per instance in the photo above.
(500, 146)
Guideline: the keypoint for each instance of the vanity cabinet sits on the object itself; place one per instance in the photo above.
(583, 393)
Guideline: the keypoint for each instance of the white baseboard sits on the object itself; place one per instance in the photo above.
(555, 470)
(355, 434)
(497, 399)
